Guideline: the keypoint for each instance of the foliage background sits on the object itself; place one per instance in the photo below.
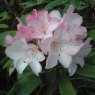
(82, 83)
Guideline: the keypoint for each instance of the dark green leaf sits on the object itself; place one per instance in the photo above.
(92, 34)
(4, 15)
(29, 4)
(48, 76)
(88, 71)
(54, 4)
(50, 90)
(8, 64)
(25, 86)
(40, 1)
(65, 86)
(76, 3)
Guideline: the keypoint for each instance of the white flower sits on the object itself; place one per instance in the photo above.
(24, 54)
(59, 49)
(79, 57)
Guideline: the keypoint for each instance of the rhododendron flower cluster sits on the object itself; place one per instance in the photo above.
(60, 40)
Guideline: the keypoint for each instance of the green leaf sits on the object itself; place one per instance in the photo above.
(29, 4)
(65, 9)
(4, 15)
(4, 26)
(50, 90)
(8, 64)
(65, 86)
(22, 18)
(25, 86)
(3, 34)
(48, 76)
(88, 71)
(91, 34)
(40, 1)
(54, 4)
(76, 3)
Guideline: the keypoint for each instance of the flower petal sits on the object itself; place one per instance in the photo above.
(55, 14)
(36, 67)
(78, 60)
(45, 45)
(8, 40)
(75, 20)
(72, 69)
(65, 60)
(52, 25)
(14, 52)
(40, 56)
(71, 49)
(51, 61)
(17, 49)
(20, 66)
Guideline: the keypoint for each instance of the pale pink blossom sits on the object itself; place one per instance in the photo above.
(39, 25)
(43, 24)
(24, 54)
(59, 49)
(72, 24)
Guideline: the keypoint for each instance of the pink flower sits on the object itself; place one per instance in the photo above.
(39, 25)
(42, 23)
(72, 24)
(24, 31)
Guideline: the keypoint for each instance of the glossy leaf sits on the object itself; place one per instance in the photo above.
(25, 86)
